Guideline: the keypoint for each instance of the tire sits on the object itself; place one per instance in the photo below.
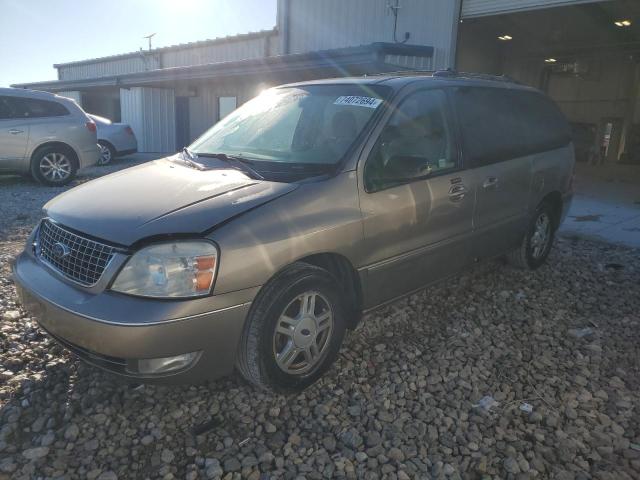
(269, 359)
(54, 166)
(535, 246)
(107, 153)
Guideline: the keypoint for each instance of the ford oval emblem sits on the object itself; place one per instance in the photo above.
(60, 250)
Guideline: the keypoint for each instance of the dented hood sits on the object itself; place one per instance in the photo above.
(162, 197)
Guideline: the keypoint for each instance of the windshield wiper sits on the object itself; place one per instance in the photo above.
(241, 164)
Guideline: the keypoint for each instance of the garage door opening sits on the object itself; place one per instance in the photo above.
(585, 56)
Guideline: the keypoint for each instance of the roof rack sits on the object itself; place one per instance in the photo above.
(448, 73)
(479, 76)
(400, 73)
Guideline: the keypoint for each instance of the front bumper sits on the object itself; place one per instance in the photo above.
(112, 331)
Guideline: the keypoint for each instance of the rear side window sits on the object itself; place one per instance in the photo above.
(498, 124)
(20, 107)
(6, 108)
(44, 108)
(545, 127)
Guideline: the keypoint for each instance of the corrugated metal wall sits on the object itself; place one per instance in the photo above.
(105, 68)
(479, 8)
(326, 24)
(225, 52)
(73, 95)
(241, 49)
(151, 114)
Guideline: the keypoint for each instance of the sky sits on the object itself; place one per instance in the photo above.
(35, 34)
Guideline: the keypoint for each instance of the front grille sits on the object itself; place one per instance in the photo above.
(78, 258)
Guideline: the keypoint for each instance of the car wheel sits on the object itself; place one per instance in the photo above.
(53, 166)
(537, 242)
(107, 153)
(294, 330)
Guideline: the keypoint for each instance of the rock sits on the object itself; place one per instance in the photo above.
(395, 454)
(385, 416)
(232, 465)
(108, 476)
(167, 456)
(72, 432)
(294, 439)
(147, 440)
(329, 443)
(35, 453)
(580, 380)
(372, 439)
(214, 471)
(511, 465)
(48, 439)
(361, 457)
(93, 474)
(11, 315)
(354, 410)
(351, 438)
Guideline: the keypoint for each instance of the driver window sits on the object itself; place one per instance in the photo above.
(416, 141)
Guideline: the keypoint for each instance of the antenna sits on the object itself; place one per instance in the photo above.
(149, 37)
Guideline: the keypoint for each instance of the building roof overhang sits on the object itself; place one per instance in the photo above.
(337, 62)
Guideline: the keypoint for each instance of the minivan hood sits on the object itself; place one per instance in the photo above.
(162, 197)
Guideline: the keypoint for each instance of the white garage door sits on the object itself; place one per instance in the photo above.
(479, 8)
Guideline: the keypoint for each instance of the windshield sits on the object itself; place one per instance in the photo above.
(313, 124)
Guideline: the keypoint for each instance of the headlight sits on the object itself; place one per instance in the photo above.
(177, 269)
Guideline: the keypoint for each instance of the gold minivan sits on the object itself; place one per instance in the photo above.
(258, 246)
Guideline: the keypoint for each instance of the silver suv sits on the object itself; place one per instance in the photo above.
(45, 135)
(261, 244)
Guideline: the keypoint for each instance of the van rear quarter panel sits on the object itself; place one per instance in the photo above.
(319, 217)
(551, 172)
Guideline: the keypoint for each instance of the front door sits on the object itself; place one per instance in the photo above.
(416, 200)
(14, 135)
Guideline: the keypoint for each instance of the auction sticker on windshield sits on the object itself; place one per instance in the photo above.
(358, 101)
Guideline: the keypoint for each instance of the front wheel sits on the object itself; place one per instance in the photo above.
(53, 166)
(536, 243)
(294, 330)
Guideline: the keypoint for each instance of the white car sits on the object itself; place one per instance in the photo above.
(115, 139)
(44, 135)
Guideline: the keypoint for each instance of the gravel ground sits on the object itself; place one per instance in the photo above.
(434, 386)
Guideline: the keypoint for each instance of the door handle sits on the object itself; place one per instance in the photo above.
(15, 131)
(457, 192)
(490, 183)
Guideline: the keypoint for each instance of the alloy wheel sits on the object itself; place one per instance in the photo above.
(302, 334)
(105, 154)
(55, 167)
(541, 235)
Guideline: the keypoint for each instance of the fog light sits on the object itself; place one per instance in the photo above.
(148, 366)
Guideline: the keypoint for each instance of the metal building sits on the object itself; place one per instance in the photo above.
(573, 49)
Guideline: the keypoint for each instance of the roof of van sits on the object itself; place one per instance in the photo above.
(399, 79)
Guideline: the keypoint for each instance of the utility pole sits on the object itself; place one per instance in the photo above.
(149, 37)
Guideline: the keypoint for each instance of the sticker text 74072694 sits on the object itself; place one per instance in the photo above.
(358, 101)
